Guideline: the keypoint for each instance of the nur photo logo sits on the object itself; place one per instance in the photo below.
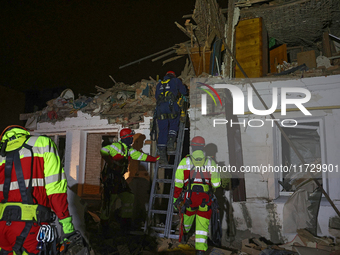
(239, 100)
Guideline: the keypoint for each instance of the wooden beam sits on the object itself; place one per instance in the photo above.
(171, 59)
(326, 46)
(150, 56)
(164, 55)
(230, 21)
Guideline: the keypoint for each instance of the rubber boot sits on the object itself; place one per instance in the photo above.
(171, 143)
(163, 157)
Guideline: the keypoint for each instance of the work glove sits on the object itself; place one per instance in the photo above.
(175, 204)
(67, 225)
(74, 243)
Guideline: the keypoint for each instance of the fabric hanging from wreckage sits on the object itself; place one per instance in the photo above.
(302, 208)
(216, 57)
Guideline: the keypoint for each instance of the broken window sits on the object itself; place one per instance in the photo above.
(307, 137)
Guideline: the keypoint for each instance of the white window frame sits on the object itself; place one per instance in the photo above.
(55, 137)
(278, 151)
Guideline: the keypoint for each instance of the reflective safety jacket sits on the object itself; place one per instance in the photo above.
(118, 151)
(49, 182)
(201, 167)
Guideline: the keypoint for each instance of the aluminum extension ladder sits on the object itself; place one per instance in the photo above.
(165, 231)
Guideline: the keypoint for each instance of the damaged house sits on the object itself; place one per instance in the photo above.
(276, 44)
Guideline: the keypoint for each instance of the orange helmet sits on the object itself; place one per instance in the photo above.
(171, 72)
(125, 133)
(197, 141)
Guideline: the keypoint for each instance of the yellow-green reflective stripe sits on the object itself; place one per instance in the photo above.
(56, 187)
(117, 149)
(201, 232)
(105, 150)
(200, 240)
(216, 184)
(137, 155)
(36, 182)
(141, 156)
(28, 212)
(55, 177)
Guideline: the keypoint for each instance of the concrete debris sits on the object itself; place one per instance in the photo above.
(121, 104)
(323, 61)
(306, 239)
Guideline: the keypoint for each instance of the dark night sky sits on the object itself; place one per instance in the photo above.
(78, 44)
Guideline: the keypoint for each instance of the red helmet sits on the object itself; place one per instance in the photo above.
(125, 133)
(197, 141)
(172, 73)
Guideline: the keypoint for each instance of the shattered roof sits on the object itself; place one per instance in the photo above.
(121, 104)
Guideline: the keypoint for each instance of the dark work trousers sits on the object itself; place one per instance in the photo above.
(167, 126)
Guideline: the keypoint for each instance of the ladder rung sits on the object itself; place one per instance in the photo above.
(162, 195)
(159, 211)
(164, 180)
(171, 152)
(158, 228)
(166, 166)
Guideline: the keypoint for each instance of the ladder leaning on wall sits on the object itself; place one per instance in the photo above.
(166, 230)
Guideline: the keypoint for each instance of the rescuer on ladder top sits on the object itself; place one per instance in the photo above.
(168, 112)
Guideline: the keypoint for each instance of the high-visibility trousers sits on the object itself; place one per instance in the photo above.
(127, 199)
(202, 215)
(8, 235)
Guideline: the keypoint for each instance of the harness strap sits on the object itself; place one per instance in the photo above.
(21, 239)
(4, 252)
(191, 180)
(20, 178)
(29, 189)
(167, 116)
(8, 174)
(194, 175)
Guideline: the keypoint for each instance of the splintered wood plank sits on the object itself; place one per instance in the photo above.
(250, 37)
(308, 58)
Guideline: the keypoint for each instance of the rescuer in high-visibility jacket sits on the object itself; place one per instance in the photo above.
(32, 183)
(195, 183)
(117, 156)
(168, 113)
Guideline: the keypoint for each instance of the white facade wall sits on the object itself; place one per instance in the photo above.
(76, 130)
(264, 204)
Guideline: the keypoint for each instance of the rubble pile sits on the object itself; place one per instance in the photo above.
(121, 104)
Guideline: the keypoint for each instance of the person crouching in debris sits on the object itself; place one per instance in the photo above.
(32, 184)
(194, 185)
(117, 157)
(168, 113)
